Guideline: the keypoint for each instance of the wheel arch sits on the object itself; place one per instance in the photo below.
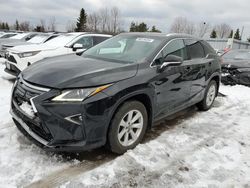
(140, 96)
(216, 77)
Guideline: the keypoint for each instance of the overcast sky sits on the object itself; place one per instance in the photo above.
(154, 12)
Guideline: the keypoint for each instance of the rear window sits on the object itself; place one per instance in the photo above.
(195, 49)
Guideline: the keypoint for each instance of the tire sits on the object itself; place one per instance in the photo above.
(209, 97)
(119, 135)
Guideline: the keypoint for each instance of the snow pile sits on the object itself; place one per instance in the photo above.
(197, 149)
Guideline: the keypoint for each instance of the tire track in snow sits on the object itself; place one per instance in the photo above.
(62, 176)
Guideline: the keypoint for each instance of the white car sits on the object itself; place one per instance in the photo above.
(19, 57)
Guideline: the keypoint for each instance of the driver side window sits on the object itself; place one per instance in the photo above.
(87, 42)
(175, 47)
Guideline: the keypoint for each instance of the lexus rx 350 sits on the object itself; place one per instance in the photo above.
(115, 91)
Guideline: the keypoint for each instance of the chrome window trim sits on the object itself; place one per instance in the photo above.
(32, 86)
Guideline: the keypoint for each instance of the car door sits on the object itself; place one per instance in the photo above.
(172, 85)
(199, 65)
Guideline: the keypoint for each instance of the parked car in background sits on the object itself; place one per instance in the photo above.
(7, 35)
(114, 92)
(38, 39)
(19, 57)
(17, 38)
(236, 67)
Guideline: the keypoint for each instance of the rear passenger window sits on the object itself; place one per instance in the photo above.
(195, 49)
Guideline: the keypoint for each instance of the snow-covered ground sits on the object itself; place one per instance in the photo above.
(194, 149)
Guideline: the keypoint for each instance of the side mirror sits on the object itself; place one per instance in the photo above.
(170, 60)
(77, 46)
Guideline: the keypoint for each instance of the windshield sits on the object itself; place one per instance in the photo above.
(240, 55)
(61, 40)
(124, 49)
(20, 36)
(8, 35)
(38, 39)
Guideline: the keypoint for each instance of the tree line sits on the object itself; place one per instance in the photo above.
(107, 20)
(223, 30)
(26, 26)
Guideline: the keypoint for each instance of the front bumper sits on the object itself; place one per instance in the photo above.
(51, 128)
(11, 68)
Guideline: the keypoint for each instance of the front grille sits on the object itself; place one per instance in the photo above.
(11, 59)
(23, 93)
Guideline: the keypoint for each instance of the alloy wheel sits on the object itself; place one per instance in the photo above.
(130, 128)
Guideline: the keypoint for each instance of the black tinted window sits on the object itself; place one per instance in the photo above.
(194, 48)
(175, 47)
(98, 39)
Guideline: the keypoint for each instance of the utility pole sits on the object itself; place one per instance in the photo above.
(242, 32)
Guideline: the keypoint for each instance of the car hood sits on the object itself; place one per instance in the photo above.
(72, 71)
(235, 63)
(31, 47)
(8, 40)
(17, 43)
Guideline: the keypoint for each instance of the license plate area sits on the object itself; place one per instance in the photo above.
(27, 109)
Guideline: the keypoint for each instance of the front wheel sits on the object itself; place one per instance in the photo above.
(209, 96)
(127, 127)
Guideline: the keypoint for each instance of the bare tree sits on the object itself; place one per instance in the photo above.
(70, 26)
(178, 25)
(182, 25)
(115, 16)
(24, 26)
(202, 29)
(104, 16)
(52, 24)
(223, 30)
(42, 25)
(93, 22)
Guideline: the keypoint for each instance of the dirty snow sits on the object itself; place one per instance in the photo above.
(194, 149)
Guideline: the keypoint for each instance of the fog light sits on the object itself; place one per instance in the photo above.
(77, 119)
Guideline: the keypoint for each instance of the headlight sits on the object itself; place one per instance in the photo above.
(27, 54)
(79, 94)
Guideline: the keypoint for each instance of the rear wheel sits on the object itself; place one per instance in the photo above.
(127, 127)
(209, 97)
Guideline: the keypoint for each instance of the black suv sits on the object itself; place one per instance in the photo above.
(114, 92)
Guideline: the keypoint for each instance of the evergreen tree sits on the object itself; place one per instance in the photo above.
(248, 40)
(81, 24)
(17, 27)
(2, 26)
(213, 34)
(7, 26)
(155, 30)
(231, 34)
(132, 27)
(142, 27)
(237, 35)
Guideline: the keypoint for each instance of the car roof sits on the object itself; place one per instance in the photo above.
(88, 33)
(162, 35)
